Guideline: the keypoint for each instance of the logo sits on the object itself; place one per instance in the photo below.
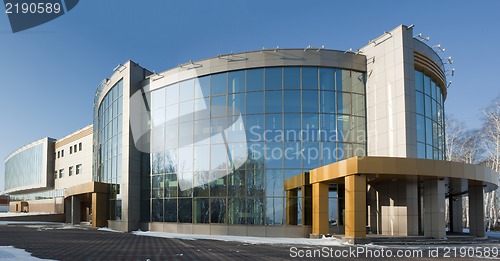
(26, 14)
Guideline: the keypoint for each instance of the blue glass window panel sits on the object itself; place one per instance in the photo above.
(327, 104)
(343, 103)
(292, 101)
(201, 158)
(274, 101)
(274, 155)
(254, 126)
(218, 84)
(236, 81)
(185, 133)
(291, 77)
(419, 81)
(429, 152)
(274, 183)
(274, 211)
(255, 80)
(327, 79)
(255, 102)
(434, 91)
(312, 155)
(185, 210)
(217, 130)
(310, 101)
(427, 85)
(358, 105)
(274, 78)
(202, 131)
(170, 214)
(157, 99)
(428, 131)
(420, 128)
(358, 82)
(202, 87)
(428, 105)
(236, 103)
(201, 108)
(172, 94)
(255, 156)
(274, 127)
(171, 136)
(328, 127)
(255, 208)
(328, 152)
(309, 78)
(186, 159)
(420, 103)
(218, 108)
(310, 127)
(186, 89)
(292, 154)
(186, 110)
(292, 126)
(218, 159)
(338, 79)
(201, 210)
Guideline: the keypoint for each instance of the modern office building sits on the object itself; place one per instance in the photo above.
(281, 142)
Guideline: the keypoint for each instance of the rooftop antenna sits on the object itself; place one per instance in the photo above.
(308, 47)
(348, 50)
(448, 86)
(448, 60)
(409, 27)
(322, 47)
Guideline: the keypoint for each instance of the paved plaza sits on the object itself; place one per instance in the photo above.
(62, 242)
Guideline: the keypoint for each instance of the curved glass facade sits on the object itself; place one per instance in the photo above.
(430, 117)
(108, 146)
(26, 168)
(227, 141)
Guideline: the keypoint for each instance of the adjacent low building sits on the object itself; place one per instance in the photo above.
(275, 142)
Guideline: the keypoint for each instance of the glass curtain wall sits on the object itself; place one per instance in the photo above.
(430, 117)
(108, 146)
(231, 139)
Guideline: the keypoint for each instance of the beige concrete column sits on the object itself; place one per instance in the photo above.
(456, 214)
(434, 207)
(355, 206)
(99, 207)
(291, 207)
(320, 209)
(476, 209)
(412, 207)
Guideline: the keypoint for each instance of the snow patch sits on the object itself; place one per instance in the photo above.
(8, 253)
(22, 214)
(248, 240)
(109, 230)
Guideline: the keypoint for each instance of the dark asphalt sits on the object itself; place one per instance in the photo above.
(86, 244)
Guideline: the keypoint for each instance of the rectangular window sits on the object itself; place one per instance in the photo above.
(80, 146)
(274, 78)
(70, 172)
(78, 169)
(61, 173)
(62, 153)
(58, 154)
(55, 174)
(74, 148)
(71, 150)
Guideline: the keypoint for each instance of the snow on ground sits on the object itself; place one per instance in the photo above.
(22, 214)
(109, 230)
(248, 240)
(8, 253)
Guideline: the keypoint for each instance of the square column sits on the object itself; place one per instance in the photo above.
(456, 214)
(75, 210)
(476, 209)
(355, 206)
(434, 207)
(99, 207)
(320, 209)
(291, 207)
(307, 205)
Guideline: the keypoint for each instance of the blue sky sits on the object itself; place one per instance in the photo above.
(48, 74)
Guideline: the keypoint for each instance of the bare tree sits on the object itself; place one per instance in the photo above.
(491, 144)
